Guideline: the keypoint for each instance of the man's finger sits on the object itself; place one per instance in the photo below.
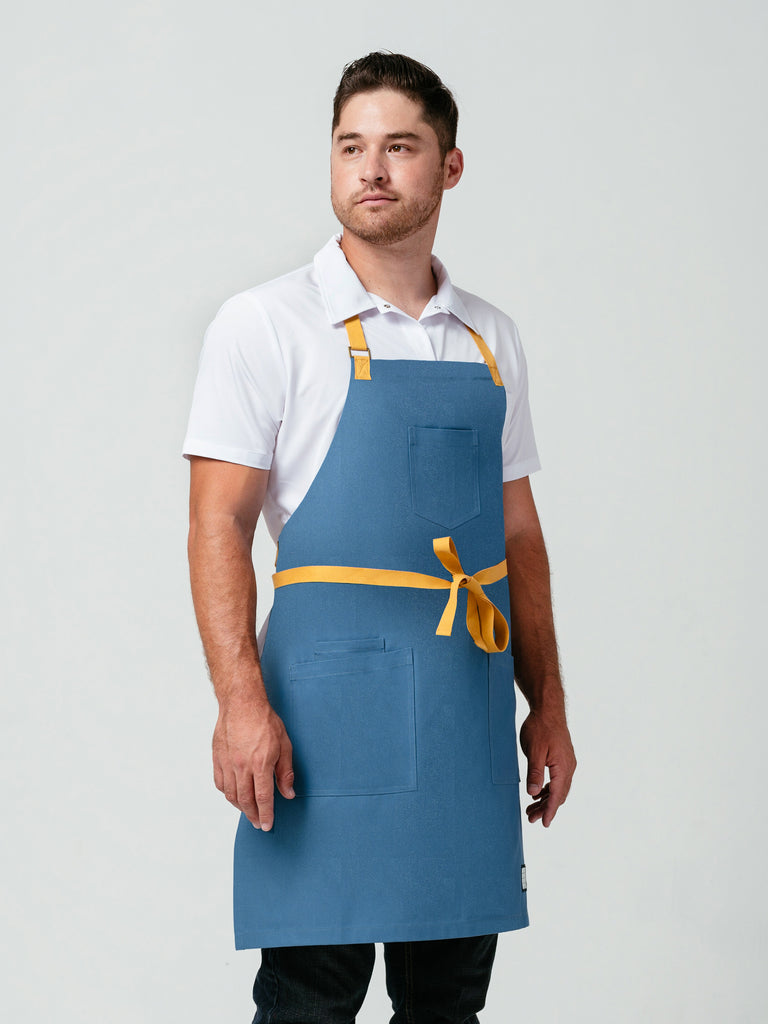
(535, 778)
(246, 799)
(559, 784)
(284, 775)
(284, 771)
(536, 809)
(265, 799)
(550, 811)
(558, 787)
(229, 788)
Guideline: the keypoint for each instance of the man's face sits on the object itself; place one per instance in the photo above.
(387, 175)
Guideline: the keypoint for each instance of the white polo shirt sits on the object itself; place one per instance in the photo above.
(274, 370)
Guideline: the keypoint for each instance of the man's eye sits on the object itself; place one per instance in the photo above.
(398, 147)
(350, 149)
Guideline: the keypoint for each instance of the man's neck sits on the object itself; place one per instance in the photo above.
(400, 273)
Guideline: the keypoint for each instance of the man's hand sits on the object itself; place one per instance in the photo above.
(251, 749)
(546, 743)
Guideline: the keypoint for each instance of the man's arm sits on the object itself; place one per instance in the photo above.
(544, 736)
(250, 744)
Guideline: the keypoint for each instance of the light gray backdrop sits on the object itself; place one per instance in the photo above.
(161, 156)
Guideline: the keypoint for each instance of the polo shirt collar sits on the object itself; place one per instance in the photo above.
(342, 291)
(447, 299)
(344, 296)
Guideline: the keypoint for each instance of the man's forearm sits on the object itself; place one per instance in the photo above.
(251, 749)
(224, 595)
(544, 736)
(532, 629)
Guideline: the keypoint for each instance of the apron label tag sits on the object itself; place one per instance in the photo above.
(523, 879)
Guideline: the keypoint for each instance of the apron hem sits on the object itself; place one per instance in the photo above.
(414, 932)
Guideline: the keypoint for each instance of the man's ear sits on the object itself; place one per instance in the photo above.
(453, 166)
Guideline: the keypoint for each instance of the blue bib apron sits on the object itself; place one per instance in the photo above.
(406, 820)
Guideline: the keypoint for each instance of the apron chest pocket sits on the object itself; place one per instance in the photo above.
(352, 724)
(501, 720)
(444, 477)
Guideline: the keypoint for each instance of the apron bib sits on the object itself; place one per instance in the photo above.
(406, 820)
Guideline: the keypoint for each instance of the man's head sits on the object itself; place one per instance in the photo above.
(399, 73)
(393, 150)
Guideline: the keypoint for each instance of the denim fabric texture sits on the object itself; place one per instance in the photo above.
(440, 981)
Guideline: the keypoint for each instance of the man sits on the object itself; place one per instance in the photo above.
(379, 417)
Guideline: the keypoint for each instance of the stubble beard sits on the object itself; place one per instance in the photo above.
(389, 224)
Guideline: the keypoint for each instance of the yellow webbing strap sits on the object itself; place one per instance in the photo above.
(488, 357)
(358, 348)
(486, 625)
(361, 354)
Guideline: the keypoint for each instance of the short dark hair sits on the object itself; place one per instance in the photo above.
(385, 70)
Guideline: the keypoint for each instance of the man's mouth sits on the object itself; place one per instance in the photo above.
(375, 199)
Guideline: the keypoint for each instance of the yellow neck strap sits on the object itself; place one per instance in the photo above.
(361, 354)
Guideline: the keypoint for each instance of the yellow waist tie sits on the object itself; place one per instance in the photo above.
(484, 620)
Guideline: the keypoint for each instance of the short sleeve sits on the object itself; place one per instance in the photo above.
(520, 454)
(239, 395)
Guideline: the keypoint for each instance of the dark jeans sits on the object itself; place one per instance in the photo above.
(438, 982)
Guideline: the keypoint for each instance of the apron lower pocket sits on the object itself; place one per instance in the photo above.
(501, 719)
(352, 724)
(335, 648)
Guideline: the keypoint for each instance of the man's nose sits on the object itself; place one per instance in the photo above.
(373, 169)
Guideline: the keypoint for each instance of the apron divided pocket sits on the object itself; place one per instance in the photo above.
(444, 474)
(352, 724)
(501, 719)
